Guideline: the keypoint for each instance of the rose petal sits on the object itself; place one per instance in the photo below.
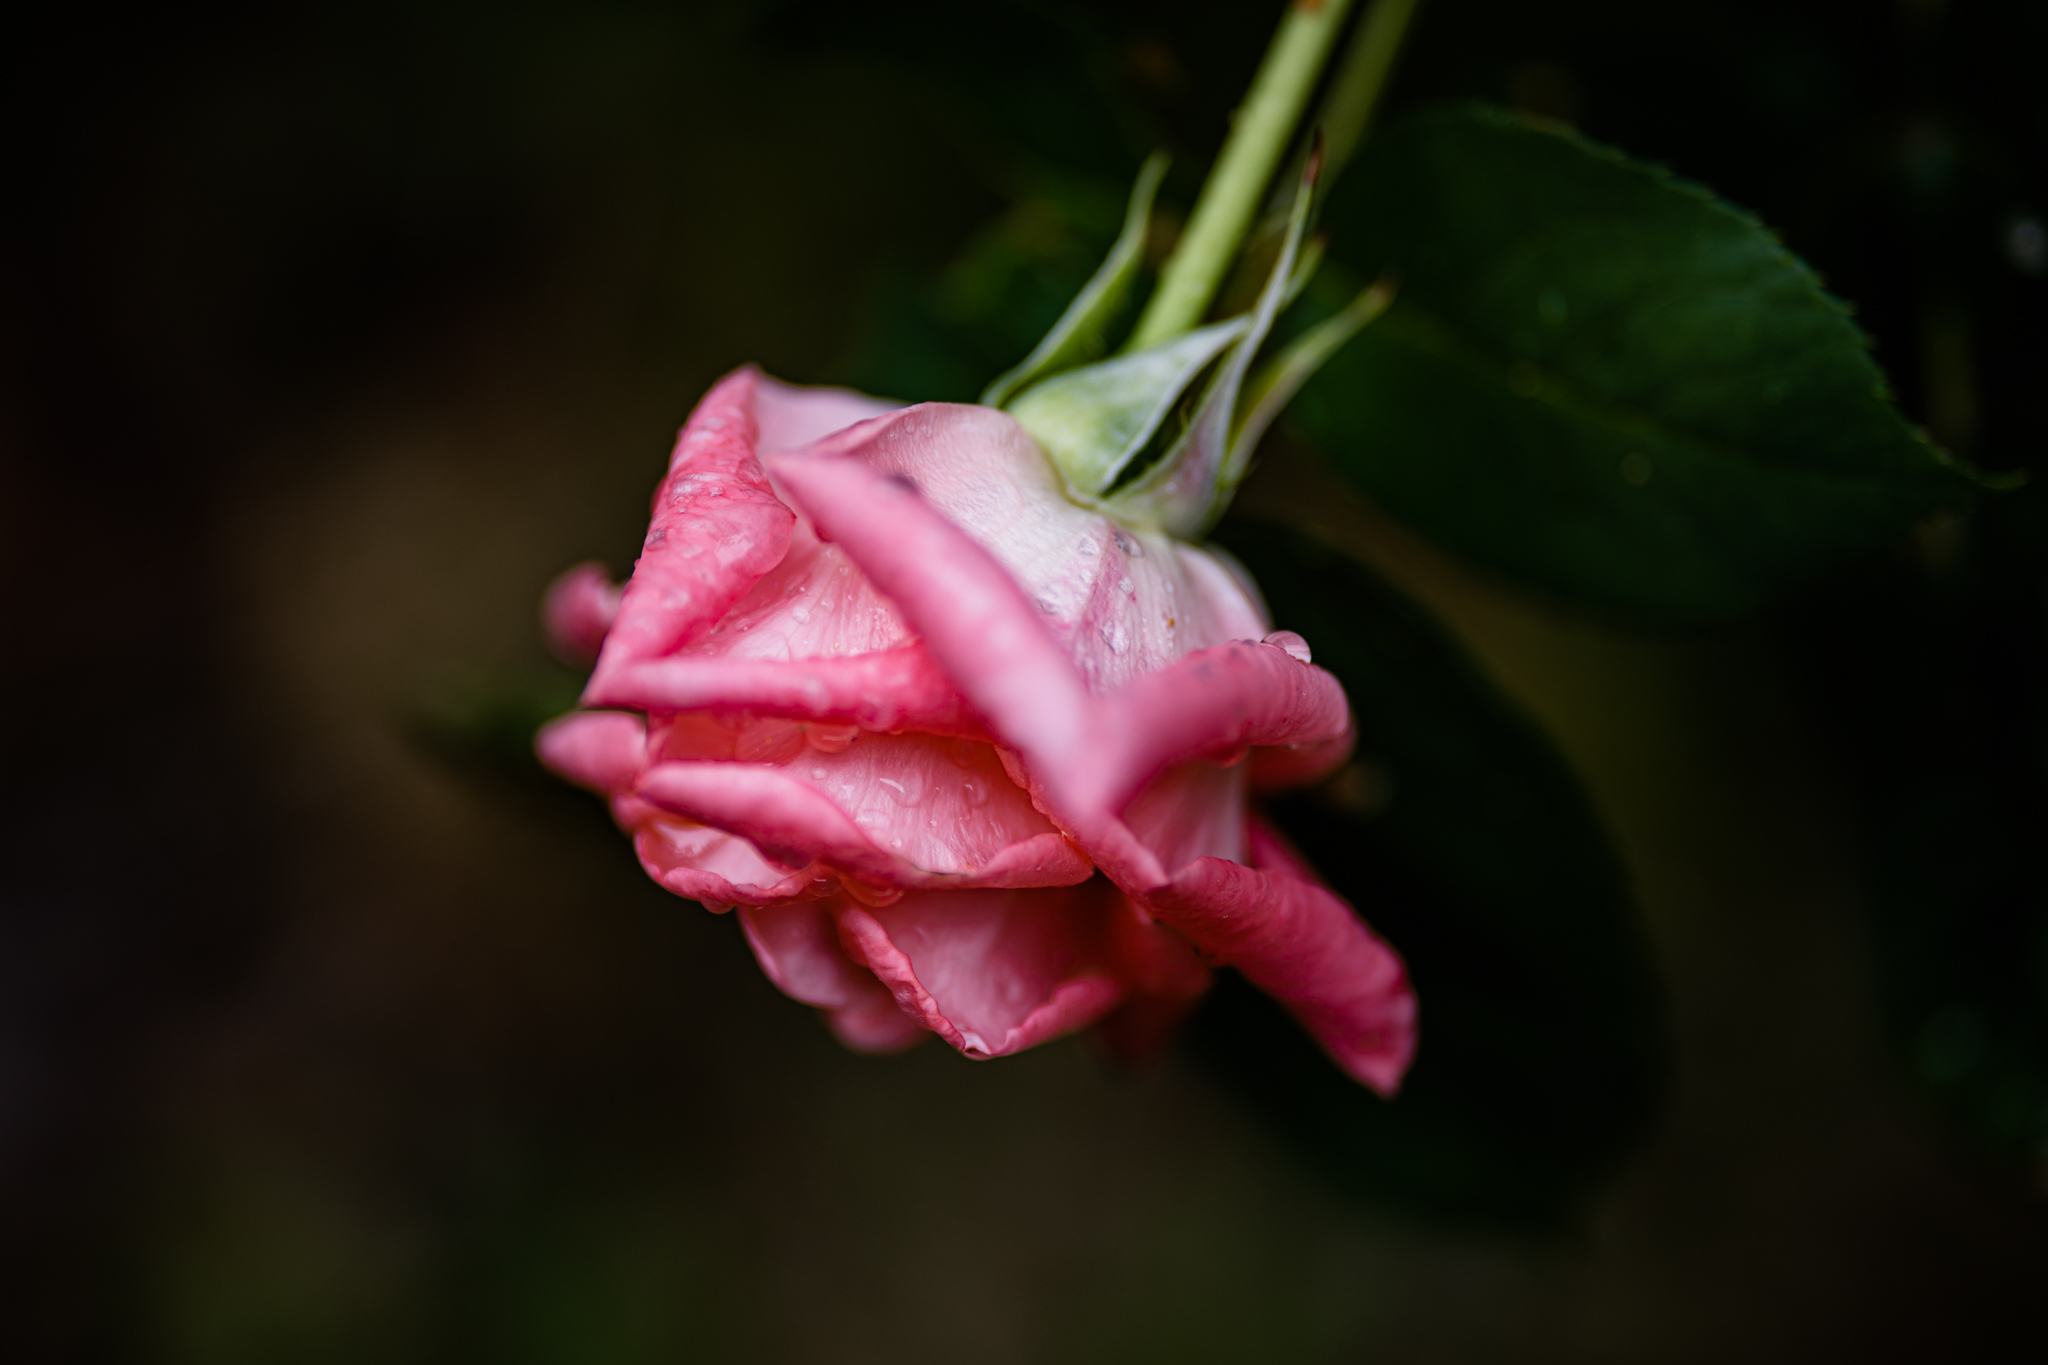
(577, 611)
(798, 948)
(601, 750)
(791, 415)
(1091, 754)
(717, 527)
(876, 1024)
(1196, 810)
(717, 868)
(970, 612)
(814, 604)
(1215, 701)
(1298, 764)
(797, 826)
(1303, 946)
(1120, 602)
(895, 689)
(991, 972)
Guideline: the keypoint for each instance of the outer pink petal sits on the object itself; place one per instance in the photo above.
(577, 611)
(991, 972)
(601, 750)
(709, 865)
(893, 690)
(717, 527)
(1298, 764)
(1216, 702)
(798, 947)
(1304, 947)
(798, 827)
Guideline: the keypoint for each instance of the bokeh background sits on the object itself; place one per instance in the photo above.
(329, 1032)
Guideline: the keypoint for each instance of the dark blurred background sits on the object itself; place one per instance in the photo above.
(327, 1033)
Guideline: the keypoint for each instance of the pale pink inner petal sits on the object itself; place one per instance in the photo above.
(1121, 602)
(1196, 810)
(792, 415)
(1226, 591)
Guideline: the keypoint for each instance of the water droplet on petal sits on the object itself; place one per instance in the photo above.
(1294, 645)
(907, 788)
(831, 739)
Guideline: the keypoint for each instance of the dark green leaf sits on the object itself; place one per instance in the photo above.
(1602, 379)
(1467, 842)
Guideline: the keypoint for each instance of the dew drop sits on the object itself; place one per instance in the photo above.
(907, 787)
(831, 739)
(1294, 646)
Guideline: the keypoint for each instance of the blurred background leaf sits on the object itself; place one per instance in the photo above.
(1602, 380)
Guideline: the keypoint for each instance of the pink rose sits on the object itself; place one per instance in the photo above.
(970, 756)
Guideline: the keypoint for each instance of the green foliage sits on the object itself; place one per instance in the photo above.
(1464, 838)
(1603, 380)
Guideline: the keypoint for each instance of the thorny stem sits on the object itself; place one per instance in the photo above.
(1259, 136)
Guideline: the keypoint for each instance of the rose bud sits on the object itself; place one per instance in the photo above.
(962, 721)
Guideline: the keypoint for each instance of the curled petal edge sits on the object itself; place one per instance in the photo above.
(888, 691)
(1302, 945)
(716, 529)
(1074, 1004)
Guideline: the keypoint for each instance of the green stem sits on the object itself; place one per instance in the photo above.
(1355, 89)
(1259, 135)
